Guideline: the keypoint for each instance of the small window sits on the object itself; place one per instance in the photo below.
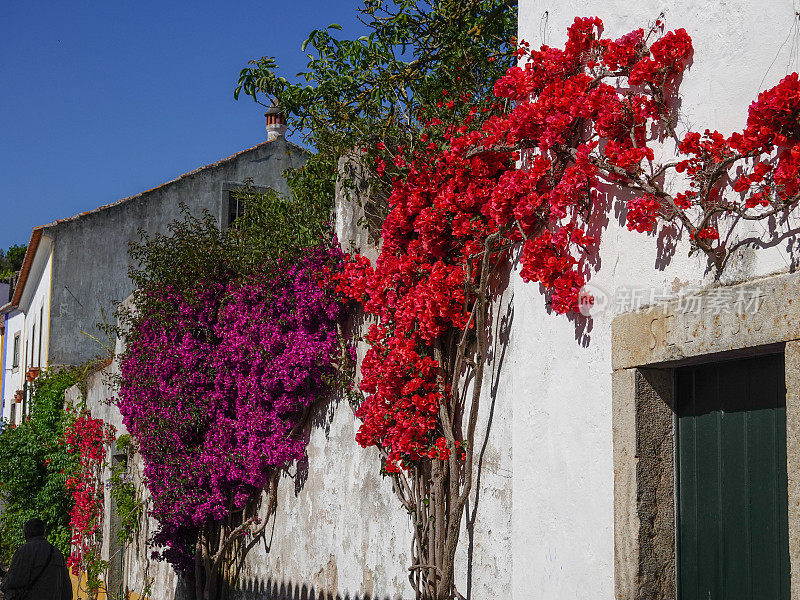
(15, 359)
(235, 208)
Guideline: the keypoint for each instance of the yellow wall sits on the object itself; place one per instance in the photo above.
(79, 590)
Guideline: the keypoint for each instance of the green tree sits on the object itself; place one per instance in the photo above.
(383, 85)
(11, 260)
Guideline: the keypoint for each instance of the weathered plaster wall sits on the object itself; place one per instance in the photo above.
(339, 531)
(143, 576)
(91, 252)
(562, 435)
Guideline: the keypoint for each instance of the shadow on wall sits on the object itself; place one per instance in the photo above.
(254, 589)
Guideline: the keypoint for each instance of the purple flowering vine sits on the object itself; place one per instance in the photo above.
(216, 381)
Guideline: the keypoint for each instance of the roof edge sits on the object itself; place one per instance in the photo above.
(166, 183)
(27, 263)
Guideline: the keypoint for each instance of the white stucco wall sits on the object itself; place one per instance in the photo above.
(31, 319)
(12, 378)
(560, 368)
(35, 304)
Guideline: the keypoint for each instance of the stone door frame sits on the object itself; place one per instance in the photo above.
(757, 317)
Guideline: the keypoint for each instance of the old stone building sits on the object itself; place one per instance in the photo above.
(75, 271)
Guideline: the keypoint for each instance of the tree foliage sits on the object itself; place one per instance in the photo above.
(11, 260)
(36, 466)
(382, 85)
(127, 498)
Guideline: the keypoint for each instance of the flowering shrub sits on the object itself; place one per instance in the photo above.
(591, 112)
(36, 466)
(453, 204)
(224, 359)
(87, 438)
(212, 392)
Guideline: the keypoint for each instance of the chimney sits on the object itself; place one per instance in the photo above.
(276, 123)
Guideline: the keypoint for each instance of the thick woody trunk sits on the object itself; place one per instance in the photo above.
(439, 489)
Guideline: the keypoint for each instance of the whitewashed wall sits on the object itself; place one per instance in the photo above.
(12, 378)
(34, 306)
(561, 368)
(35, 303)
(31, 320)
(339, 532)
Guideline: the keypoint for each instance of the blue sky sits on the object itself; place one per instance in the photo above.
(102, 100)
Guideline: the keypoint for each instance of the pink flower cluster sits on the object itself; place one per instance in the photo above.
(215, 381)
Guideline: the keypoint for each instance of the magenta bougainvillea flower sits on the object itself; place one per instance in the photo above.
(215, 382)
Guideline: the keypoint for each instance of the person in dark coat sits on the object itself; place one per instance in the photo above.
(38, 570)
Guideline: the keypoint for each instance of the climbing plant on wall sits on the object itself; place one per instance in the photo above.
(523, 182)
(87, 439)
(36, 467)
(231, 339)
(127, 498)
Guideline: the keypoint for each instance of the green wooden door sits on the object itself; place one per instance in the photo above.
(733, 541)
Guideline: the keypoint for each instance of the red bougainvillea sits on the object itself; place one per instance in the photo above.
(87, 438)
(596, 111)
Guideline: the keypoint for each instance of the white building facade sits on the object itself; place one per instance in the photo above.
(27, 327)
(573, 485)
(13, 374)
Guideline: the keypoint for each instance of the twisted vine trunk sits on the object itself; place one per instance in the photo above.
(220, 545)
(433, 491)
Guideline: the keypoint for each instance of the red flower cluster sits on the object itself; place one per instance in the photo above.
(454, 201)
(87, 438)
(642, 213)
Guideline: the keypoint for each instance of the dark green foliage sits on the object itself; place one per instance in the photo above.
(35, 467)
(373, 87)
(274, 227)
(11, 260)
(195, 251)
